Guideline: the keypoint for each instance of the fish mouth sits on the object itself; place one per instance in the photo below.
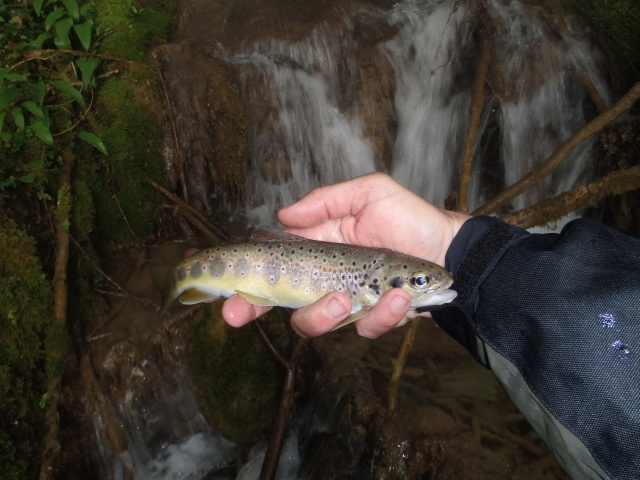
(443, 296)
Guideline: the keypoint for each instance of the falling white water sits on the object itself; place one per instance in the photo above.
(310, 135)
(306, 139)
(542, 102)
(432, 111)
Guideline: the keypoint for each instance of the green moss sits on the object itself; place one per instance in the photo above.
(239, 381)
(122, 197)
(129, 27)
(619, 24)
(25, 316)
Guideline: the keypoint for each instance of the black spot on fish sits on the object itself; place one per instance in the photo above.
(375, 288)
(216, 267)
(196, 270)
(181, 274)
(396, 282)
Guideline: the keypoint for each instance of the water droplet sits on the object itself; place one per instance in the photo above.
(623, 350)
(607, 320)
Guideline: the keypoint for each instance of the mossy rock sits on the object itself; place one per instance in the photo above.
(238, 381)
(619, 24)
(25, 316)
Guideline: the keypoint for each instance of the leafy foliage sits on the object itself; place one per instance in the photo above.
(38, 95)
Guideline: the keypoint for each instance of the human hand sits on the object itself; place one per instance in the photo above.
(373, 211)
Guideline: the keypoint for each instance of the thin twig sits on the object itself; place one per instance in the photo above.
(477, 104)
(196, 218)
(176, 140)
(124, 216)
(398, 364)
(109, 279)
(281, 421)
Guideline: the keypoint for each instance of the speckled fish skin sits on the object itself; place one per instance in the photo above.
(291, 271)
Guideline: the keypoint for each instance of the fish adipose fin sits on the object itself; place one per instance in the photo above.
(352, 318)
(262, 302)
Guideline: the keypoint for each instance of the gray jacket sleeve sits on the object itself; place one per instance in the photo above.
(556, 317)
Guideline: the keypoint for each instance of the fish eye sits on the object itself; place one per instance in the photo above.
(419, 279)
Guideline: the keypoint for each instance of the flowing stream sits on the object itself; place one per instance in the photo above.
(365, 87)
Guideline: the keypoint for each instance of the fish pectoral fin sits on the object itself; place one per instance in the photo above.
(254, 299)
(352, 318)
(193, 296)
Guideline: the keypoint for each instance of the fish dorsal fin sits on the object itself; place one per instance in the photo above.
(268, 235)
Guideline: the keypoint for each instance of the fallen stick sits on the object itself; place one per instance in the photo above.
(577, 198)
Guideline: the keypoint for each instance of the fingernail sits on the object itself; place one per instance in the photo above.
(399, 303)
(334, 309)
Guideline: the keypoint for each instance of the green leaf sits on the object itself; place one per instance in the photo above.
(69, 90)
(72, 8)
(15, 77)
(28, 178)
(65, 225)
(62, 28)
(87, 67)
(94, 141)
(37, 6)
(86, 12)
(34, 109)
(7, 95)
(39, 41)
(43, 401)
(42, 132)
(18, 118)
(53, 17)
(83, 30)
(39, 90)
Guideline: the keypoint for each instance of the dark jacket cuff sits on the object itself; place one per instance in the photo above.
(473, 253)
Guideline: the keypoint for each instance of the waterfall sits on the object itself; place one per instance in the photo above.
(313, 126)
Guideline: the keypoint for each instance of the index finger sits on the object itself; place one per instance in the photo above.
(332, 202)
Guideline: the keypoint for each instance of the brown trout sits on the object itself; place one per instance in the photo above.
(290, 271)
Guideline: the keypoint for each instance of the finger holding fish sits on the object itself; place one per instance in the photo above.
(237, 312)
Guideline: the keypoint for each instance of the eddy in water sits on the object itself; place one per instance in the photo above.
(290, 271)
